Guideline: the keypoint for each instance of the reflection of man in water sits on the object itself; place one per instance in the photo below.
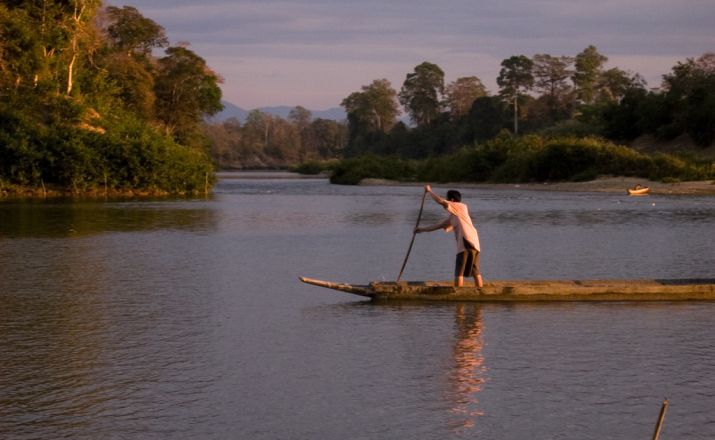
(468, 375)
(467, 261)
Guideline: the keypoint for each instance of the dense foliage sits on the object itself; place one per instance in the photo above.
(554, 96)
(507, 158)
(546, 94)
(84, 103)
(569, 111)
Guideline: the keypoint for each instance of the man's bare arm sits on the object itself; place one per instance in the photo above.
(435, 197)
(434, 227)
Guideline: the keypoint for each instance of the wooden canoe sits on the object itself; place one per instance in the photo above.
(532, 290)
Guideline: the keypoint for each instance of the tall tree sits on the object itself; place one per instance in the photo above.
(186, 91)
(300, 116)
(421, 93)
(487, 117)
(21, 54)
(134, 80)
(515, 78)
(551, 74)
(550, 78)
(63, 33)
(80, 35)
(327, 138)
(256, 130)
(372, 110)
(461, 93)
(128, 61)
(133, 33)
(587, 74)
(614, 84)
(690, 94)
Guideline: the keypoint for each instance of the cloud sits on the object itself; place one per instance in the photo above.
(316, 52)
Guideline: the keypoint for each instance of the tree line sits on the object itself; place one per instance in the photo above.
(266, 141)
(545, 94)
(85, 103)
(548, 95)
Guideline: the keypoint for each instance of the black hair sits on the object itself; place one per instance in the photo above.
(454, 196)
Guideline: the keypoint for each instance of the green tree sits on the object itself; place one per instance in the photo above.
(20, 50)
(421, 93)
(300, 118)
(81, 36)
(134, 81)
(186, 91)
(63, 33)
(461, 94)
(690, 93)
(587, 74)
(621, 119)
(327, 138)
(68, 113)
(614, 83)
(487, 117)
(132, 33)
(515, 79)
(284, 146)
(256, 129)
(130, 39)
(550, 79)
(371, 112)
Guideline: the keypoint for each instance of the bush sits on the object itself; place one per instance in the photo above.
(313, 167)
(44, 144)
(530, 158)
(352, 171)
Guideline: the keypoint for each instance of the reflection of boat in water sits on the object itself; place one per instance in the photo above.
(468, 375)
(532, 290)
(638, 190)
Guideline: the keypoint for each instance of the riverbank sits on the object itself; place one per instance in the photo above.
(14, 192)
(602, 184)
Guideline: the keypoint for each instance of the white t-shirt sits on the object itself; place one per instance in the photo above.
(461, 223)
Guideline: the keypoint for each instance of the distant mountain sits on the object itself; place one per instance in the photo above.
(234, 111)
(230, 111)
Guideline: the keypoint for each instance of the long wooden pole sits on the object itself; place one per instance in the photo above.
(409, 249)
(661, 417)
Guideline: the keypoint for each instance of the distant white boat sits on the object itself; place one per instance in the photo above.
(638, 190)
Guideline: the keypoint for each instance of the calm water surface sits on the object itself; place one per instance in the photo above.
(184, 319)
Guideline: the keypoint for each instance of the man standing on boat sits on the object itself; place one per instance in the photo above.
(467, 262)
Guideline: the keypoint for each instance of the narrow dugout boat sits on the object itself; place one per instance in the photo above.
(532, 290)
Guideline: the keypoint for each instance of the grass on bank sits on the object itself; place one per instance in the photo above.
(509, 159)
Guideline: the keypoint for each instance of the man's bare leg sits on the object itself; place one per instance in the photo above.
(458, 281)
(478, 282)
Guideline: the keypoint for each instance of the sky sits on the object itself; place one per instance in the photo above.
(314, 53)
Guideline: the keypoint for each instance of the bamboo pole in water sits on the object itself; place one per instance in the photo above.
(409, 249)
(661, 417)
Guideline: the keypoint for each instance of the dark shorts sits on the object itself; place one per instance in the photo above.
(467, 263)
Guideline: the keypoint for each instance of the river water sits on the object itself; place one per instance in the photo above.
(184, 319)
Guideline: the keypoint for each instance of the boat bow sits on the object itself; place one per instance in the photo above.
(343, 287)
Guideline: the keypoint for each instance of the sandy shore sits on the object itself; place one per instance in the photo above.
(603, 184)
